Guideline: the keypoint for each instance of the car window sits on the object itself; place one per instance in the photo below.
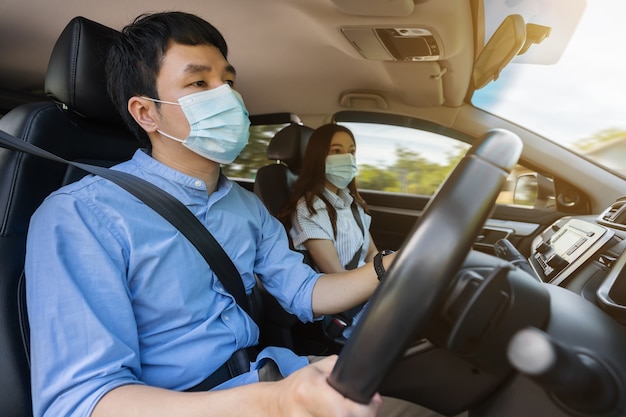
(418, 156)
(411, 161)
(414, 161)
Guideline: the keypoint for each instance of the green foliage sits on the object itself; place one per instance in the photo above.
(373, 178)
(410, 174)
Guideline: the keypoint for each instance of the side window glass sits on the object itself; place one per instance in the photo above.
(412, 160)
(415, 160)
(403, 160)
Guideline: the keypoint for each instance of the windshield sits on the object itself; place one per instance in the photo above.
(577, 96)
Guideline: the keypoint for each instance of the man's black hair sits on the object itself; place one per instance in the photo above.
(135, 57)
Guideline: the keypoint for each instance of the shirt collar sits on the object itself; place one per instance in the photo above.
(154, 167)
(341, 199)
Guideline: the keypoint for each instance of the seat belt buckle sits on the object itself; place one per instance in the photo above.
(335, 327)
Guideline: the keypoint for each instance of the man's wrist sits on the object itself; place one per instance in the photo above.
(378, 263)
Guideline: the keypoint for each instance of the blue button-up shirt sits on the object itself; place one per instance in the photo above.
(116, 295)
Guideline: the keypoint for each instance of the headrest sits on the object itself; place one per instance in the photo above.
(75, 75)
(289, 145)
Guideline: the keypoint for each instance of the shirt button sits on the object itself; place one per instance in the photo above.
(198, 183)
(226, 318)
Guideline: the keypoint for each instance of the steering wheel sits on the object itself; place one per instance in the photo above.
(425, 265)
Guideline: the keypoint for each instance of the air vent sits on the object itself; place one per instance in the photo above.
(615, 215)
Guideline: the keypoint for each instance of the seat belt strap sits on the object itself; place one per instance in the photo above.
(164, 204)
(237, 364)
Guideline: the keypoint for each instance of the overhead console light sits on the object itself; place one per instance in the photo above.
(396, 43)
(375, 7)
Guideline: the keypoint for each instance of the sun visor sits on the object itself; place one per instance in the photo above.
(505, 43)
(549, 23)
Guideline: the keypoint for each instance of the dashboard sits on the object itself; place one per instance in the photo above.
(587, 255)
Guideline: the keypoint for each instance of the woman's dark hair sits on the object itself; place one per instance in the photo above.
(135, 56)
(312, 177)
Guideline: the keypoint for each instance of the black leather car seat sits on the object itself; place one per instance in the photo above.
(78, 123)
(274, 181)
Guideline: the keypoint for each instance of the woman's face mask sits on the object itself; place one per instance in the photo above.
(340, 169)
(219, 123)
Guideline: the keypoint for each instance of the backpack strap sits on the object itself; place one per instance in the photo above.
(354, 262)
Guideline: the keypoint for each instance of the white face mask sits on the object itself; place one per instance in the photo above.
(340, 169)
(219, 123)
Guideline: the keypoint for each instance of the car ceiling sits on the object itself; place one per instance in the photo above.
(290, 55)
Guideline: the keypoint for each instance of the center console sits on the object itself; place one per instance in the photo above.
(565, 246)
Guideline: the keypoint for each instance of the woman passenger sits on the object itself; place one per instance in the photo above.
(326, 217)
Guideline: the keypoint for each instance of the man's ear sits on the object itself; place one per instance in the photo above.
(142, 111)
